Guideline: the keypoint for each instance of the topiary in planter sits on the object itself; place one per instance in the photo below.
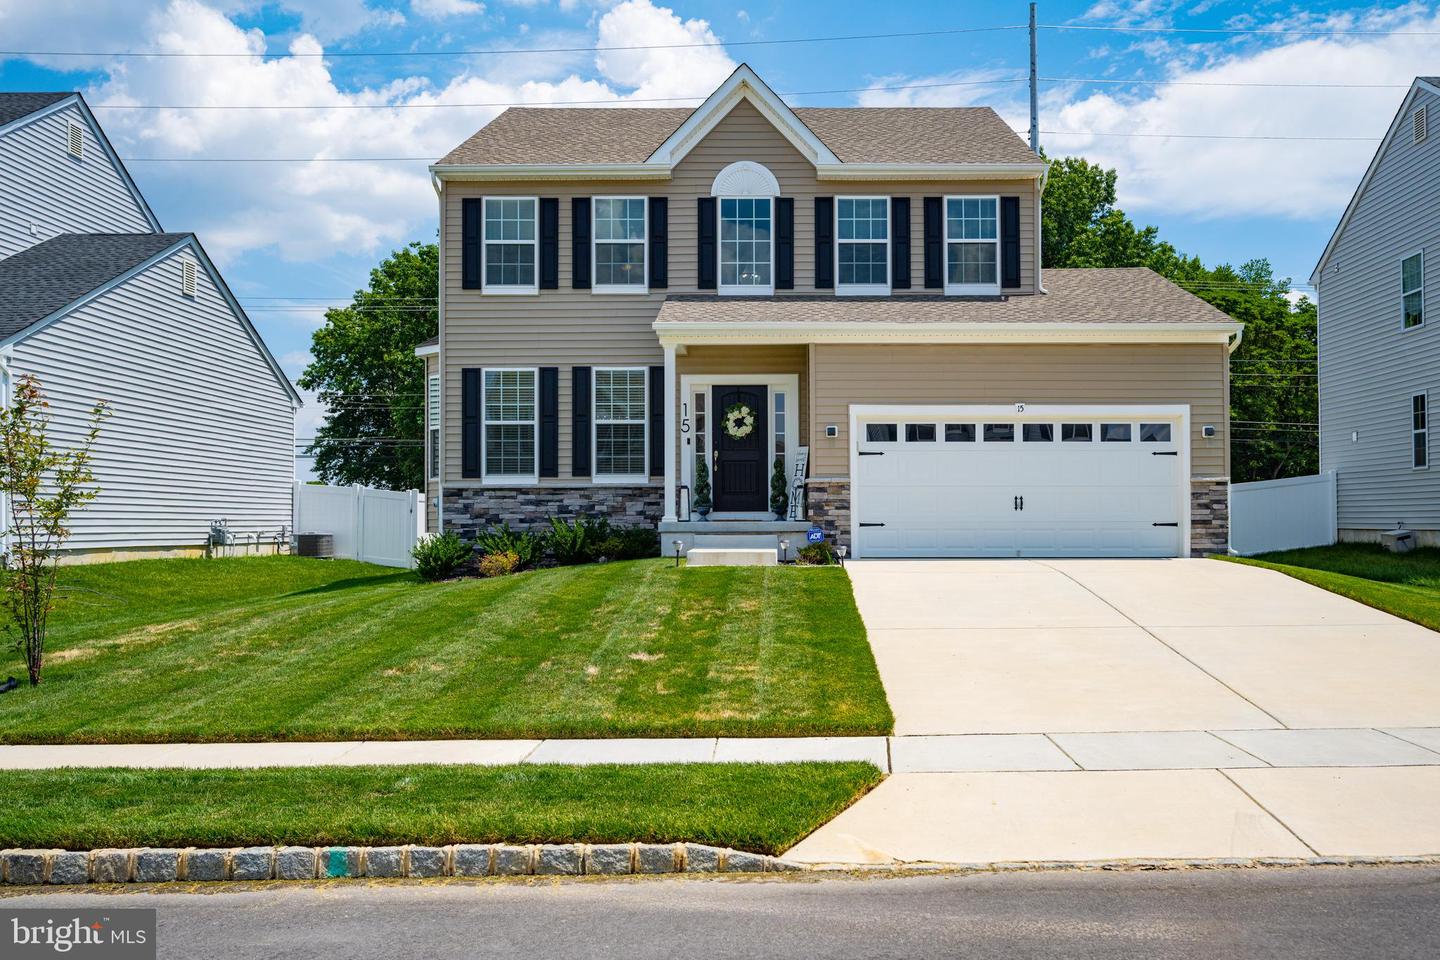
(779, 491)
(701, 498)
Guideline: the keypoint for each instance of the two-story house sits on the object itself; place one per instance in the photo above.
(1378, 344)
(632, 297)
(98, 303)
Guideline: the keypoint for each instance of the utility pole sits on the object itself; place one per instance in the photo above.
(1034, 89)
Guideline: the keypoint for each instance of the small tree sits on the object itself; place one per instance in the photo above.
(701, 496)
(779, 492)
(44, 486)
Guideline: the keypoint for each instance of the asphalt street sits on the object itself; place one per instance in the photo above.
(1375, 913)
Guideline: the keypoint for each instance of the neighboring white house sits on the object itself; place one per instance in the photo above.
(98, 303)
(1379, 333)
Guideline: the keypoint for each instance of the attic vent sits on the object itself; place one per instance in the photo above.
(187, 277)
(75, 141)
(1417, 125)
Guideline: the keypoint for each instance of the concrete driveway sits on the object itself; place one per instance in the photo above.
(1080, 646)
(1057, 710)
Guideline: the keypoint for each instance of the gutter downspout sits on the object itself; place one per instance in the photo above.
(1039, 232)
(1235, 344)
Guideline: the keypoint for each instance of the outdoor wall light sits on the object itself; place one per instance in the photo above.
(784, 550)
(677, 544)
(1208, 431)
(832, 430)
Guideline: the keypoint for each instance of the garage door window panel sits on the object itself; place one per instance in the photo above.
(1038, 432)
(959, 433)
(1076, 433)
(999, 433)
(1114, 433)
(1154, 433)
(919, 433)
(882, 432)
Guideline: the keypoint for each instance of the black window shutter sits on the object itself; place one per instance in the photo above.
(580, 243)
(785, 243)
(659, 243)
(824, 243)
(549, 421)
(549, 243)
(471, 402)
(1009, 241)
(472, 220)
(580, 422)
(900, 243)
(705, 243)
(657, 421)
(934, 243)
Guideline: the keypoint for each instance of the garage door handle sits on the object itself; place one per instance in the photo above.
(1165, 453)
(872, 453)
(1164, 524)
(872, 524)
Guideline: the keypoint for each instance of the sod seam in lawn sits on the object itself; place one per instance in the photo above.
(764, 808)
(287, 648)
(1406, 585)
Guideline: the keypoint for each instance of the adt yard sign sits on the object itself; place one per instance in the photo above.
(815, 535)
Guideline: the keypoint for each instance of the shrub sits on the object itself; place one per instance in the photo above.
(779, 490)
(630, 543)
(815, 554)
(700, 499)
(527, 546)
(576, 541)
(499, 564)
(436, 557)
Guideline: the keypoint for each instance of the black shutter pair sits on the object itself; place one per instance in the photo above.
(580, 421)
(825, 243)
(659, 240)
(707, 253)
(472, 223)
(935, 242)
(472, 405)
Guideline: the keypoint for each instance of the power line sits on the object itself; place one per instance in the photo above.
(1203, 136)
(506, 51)
(1239, 31)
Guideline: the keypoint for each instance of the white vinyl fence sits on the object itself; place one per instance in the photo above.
(377, 526)
(1283, 514)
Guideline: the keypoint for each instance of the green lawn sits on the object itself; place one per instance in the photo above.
(289, 648)
(1405, 584)
(763, 808)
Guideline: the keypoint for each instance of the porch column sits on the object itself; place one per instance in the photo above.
(670, 427)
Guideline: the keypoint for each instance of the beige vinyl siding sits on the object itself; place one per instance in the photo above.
(568, 327)
(842, 375)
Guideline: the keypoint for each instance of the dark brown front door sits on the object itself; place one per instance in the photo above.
(742, 470)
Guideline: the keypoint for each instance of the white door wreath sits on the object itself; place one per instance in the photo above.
(739, 421)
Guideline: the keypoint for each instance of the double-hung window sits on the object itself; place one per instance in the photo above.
(510, 425)
(619, 244)
(746, 250)
(511, 253)
(620, 453)
(1412, 291)
(1419, 431)
(432, 424)
(862, 248)
(972, 245)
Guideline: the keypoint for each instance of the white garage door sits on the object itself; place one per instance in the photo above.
(1066, 485)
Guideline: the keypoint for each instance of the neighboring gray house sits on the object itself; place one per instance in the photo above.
(98, 303)
(1379, 333)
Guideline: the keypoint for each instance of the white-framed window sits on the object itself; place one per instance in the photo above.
(1412, 291)
(511, 252)
(510, 425)
(747, 250)
(618, 238)
(862, 246)
(972, 245)
(1420, 431)
(619, 422)
(75, 140)
(432, 425)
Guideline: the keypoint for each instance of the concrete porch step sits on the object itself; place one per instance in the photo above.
(714, 557)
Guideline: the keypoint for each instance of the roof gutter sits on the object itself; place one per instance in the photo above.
(803, 331)
(500, 172)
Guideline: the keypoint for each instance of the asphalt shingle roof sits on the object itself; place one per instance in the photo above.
(36, 282)
(1100, 295)
(525, 135)
(13, 106)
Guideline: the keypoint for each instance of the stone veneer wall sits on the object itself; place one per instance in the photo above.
(1209, 516)
(469, 510)
(828, 507)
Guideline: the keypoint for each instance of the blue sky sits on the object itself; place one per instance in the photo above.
(286, 231)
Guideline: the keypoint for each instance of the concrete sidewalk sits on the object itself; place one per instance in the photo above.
(965, 753)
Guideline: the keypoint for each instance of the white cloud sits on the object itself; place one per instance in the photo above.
(1216, 177)
(439, 9)
(307, 211)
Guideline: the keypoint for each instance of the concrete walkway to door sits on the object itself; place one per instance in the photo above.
(1112, 709)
